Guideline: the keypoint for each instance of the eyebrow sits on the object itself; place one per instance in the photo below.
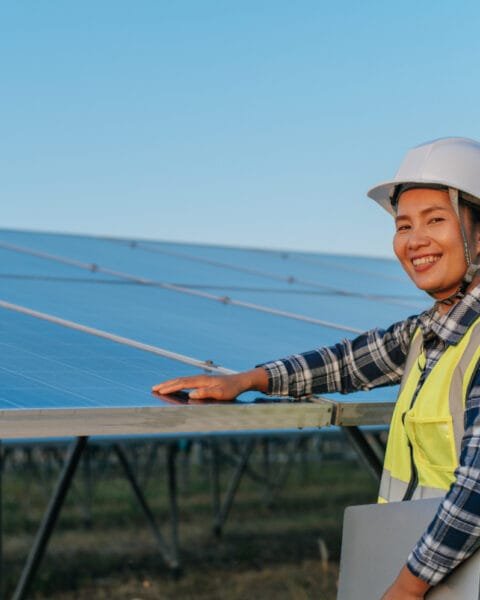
(425, 211)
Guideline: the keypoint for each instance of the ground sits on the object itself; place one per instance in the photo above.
(285, 547)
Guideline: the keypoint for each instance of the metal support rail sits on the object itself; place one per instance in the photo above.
(93, 267)
(289, 279)
(50, 518)
(224, 508)
(112, 337)
(64, 482)
(170, 555)
(272, 484)
(360, 443)
(173, 487)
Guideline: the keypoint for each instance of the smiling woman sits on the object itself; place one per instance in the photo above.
(434, 441)
(429, 242)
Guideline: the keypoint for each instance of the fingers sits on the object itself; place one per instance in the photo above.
(181, 383)
(202, 386)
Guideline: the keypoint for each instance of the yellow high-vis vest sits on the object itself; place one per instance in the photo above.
(423, 446)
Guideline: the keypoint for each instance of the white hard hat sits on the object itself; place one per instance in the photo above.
(453, 162)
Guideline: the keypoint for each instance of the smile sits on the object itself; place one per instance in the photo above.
(425, 260)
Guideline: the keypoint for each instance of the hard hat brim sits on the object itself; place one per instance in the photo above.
(382, 192)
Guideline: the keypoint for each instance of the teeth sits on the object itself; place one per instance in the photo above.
(424, 260)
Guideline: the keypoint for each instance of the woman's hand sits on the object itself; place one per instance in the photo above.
(406, 587)
(393, 593)
(216, 387)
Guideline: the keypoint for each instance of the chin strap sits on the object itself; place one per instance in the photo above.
(472, 268)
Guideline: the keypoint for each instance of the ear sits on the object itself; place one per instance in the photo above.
(477, 238)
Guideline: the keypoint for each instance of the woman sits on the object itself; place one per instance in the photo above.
(434, 441)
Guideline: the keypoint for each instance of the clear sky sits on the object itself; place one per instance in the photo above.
(249, 122)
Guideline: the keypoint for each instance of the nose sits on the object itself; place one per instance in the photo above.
(417, 238)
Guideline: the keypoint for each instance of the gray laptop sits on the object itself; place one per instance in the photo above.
(377, 539)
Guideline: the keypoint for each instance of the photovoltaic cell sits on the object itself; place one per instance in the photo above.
(348, 273)
(178, 269)
(228, 335)
(122, 257)
(15, 265)
(233, 336)
(354, 312)
(46, 366)
(67, 383)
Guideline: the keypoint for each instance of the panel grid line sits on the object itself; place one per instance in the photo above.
(201, 364)
(290, 279)
(94, 267)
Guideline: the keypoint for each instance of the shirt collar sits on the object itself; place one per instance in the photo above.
(452, 326)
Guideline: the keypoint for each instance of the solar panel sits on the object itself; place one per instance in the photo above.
(234, 307)
(15, 265)
(311, 270)
(44, 365)
(228, 335)
(97, 387)
(412, 303)
(173, 263)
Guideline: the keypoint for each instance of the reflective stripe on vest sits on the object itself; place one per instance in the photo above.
(434, 425)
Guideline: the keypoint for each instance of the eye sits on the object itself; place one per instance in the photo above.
(402, 228)
(434, 220)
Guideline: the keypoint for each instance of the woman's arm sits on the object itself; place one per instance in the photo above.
(373, 359)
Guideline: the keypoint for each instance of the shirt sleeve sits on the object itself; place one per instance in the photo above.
(375, 358)
(454, 533)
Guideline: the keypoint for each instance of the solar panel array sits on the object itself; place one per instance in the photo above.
(227, 306)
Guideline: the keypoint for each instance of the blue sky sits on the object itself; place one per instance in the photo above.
(252, 123)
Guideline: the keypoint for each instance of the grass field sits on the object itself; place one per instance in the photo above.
(285, 547)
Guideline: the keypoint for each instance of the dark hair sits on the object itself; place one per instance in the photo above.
(474, 210)
(466, 199)
(403, 187)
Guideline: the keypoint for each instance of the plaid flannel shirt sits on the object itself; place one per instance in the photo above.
(377, 358)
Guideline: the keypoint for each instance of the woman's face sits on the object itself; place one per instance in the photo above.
(428, 240)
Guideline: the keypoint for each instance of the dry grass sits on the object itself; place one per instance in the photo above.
(266, 551)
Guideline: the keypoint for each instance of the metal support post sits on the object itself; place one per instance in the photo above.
(169, 556)
(378, 442)
(215, 479)
(233, 461)
(172, 453)
(88, 488)
(266, 458)
(185, 448)
(150, 462)
(86, 493)
(50, 517)
(232, 488)
(360, 443)
(276, 484)
(303, 450)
